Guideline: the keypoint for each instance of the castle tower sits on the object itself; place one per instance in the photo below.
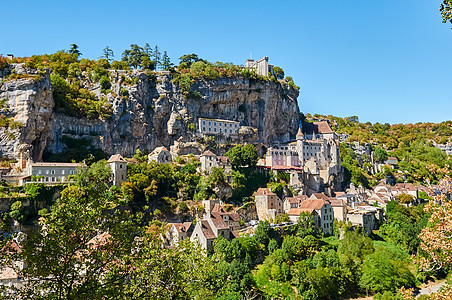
(119, 169)
(300, 144)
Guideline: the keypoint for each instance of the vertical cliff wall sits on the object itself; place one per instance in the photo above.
(155, 112)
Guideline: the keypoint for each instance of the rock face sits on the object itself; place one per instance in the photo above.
(154, 113)
(29, 102)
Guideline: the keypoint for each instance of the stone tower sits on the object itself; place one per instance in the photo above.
(119, 169)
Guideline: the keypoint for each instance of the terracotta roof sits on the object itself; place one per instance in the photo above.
(298, 211)
(235, 233)
(297, 199)
(217, 220)
(312, 204)
(208, 153)
(338, 194)
(116, 158)
(224, 160)
(336, 203)
(317, 127)
(392, 158)
(8, 273)
(207, 230)
(286, 168)
(264, 191)
(319, 196)
(182, 227)
(158, 150)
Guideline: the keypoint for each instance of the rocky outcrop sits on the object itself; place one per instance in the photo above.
(153, 112)
(29, 102)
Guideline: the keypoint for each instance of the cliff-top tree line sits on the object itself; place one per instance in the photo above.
(73, 78)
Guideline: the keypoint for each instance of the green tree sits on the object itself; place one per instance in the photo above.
(133, 56)
(108, 54)
(380, 155)
(74, 50)
(243, 156)
(446, 11)
(81, 249)
(279, 72)
(157, 57)
(166, 64)
(187, 59)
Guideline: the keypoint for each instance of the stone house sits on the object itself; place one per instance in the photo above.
(339, 209)
(261, 66)
(160, 155)
(50, 172)
(218, 126)
(118, 167)
(324, 211)
(178, 232)
(268, 204)
(208, 161)
(293, 202)
(367, 217)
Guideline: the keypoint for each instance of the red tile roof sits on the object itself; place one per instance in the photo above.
(317, 127)
(312, 204)
(264, 191)
(207, 230)
(319, 196)
(298, 211)
(217, 220)
(158, 150)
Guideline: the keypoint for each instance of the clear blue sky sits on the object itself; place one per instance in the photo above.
(385, 61)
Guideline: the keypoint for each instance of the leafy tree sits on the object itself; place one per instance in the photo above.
(384, 272)
(279, 72)
(446, 11)
(243, 156)
(380, 155)
(187, 59)
(80, 250)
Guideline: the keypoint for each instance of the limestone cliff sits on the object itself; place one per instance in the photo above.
(155, 112)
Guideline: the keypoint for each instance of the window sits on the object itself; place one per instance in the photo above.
(203, 122)
(210, 129)
(236, 131)
(230, 130)
(120, 166)
(204, 128)
(47, 171)
(214, 123)
(230, 125)
(39, 172)
(215, 129)
(62, 172)
(209, 123)
(219, 124)
(220, 129)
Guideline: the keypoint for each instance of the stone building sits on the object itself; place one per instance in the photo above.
(218, 126)
(209, 160)
(160, 155)
(261, 66)
(268, 204)
(178, 232)
(216, 222)
(118, 167)
(51, 172)
(317, 151)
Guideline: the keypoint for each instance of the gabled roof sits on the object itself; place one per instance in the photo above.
(158, 150)
(207, 230)
(298, 211)
(337, 203)
(116, 158)
(317, 127)
(208, 153)
(182, 227)
(319, 196)
(316, 204)
(218, 221)
(224, 160)
(264, 192)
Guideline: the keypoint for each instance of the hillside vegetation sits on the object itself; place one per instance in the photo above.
(412, 144)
